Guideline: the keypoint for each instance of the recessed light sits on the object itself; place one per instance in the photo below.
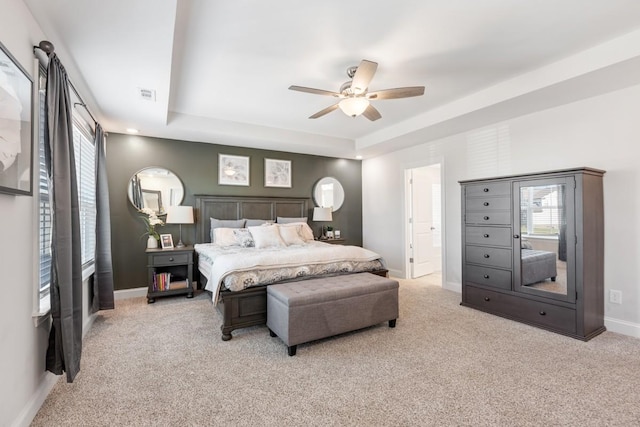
(131, 130)
(358, 157)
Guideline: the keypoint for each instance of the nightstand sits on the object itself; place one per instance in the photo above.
(169, 272)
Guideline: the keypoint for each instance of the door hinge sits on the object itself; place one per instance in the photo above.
(576, 295)
(410, 260)
(576, 239)
(410, 220)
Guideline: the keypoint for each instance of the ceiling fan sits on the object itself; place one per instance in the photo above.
(355, 96)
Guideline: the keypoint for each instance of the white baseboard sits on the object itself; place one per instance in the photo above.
(453, 286)
(622, 327)
(396, 273)
(130, 293)
(30, 410)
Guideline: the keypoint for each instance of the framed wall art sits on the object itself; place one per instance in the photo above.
(277, 173)
(233, 170)
(16, 132)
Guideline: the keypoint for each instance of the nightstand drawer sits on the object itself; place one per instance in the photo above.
(493, 236)
(494, 257)
(171, 259)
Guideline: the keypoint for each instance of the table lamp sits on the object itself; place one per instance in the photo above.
(180, 215)
(322, 214)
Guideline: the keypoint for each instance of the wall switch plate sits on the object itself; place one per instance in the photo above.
(615, 297)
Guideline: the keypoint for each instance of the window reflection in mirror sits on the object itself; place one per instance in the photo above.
(155, 188)
(328, 192)
(543, 221)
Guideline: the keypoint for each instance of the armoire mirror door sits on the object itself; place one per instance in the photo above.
(544, 261)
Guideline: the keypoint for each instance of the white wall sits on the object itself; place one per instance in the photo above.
(23, 345)
(25, 383)
(601, 132)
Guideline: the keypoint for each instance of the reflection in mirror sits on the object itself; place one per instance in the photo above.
(543, 221)
(328, 192)
(155, 188)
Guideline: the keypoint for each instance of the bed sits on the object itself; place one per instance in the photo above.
(538, 266)
(237, 281)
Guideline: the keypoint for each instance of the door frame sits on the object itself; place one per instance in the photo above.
(407, 214)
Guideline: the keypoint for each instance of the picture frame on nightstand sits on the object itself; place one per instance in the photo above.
(166, 240)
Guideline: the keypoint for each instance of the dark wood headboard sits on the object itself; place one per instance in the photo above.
(237, 207)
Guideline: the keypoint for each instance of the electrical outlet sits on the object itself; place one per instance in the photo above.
(615, 297)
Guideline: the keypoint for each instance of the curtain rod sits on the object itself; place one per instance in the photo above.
(48, 48)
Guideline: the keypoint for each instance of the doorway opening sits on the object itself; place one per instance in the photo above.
(424, 222)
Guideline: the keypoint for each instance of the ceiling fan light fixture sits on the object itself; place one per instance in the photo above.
(354, 106)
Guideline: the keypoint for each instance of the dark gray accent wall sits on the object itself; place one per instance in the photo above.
(196, 164)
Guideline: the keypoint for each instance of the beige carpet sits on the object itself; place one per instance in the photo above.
(443, 365)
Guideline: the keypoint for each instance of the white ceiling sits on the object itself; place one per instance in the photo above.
(221, 69)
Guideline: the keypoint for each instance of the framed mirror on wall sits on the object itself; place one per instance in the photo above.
(155, 188)
(328, 192)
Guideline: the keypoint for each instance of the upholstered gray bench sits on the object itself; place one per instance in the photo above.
(299, 312)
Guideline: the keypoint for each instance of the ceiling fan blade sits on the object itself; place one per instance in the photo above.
(315, 91)
(325, 111)
(400, 92)
(363, 76)
(371, 113)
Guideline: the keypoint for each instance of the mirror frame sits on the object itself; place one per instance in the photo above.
(339, 196)
(162, 204)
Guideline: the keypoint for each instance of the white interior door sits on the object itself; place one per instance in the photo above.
(425, 221)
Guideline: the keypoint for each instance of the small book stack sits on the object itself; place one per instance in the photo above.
(162, 282)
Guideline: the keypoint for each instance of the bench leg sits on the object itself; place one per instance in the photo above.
(392, 323)
(292, 350)
(271, 333)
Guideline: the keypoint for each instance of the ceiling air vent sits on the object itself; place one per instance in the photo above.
(147, 94)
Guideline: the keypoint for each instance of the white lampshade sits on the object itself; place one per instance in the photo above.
(354, 106)
(322, 214)
(179, 215)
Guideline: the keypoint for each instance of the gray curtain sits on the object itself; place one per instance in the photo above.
(103, 277)
(65, 337)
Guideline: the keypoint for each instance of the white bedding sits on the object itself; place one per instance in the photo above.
(238, 268)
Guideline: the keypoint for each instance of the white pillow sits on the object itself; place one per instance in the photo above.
(224, 237)
(266, 236)
(303, 229)
(291, 235)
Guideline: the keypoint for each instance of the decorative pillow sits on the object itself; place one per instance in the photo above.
(291, 235)
(286, 220)
(224, 237)
(244, 237)
(225, 223)
(304, 230)
(266, 237)
(256, 222)
(525, 244)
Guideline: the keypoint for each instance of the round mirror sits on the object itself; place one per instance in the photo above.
(328, 192)
(155, 188)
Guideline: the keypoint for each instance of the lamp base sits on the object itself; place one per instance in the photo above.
(180, 244)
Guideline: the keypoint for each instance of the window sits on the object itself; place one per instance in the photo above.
(541, 211)
(85, 175)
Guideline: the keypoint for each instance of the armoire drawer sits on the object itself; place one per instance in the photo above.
(493, 218)
(529, 311)
(484, 204)
(489, 189)
(488, 276)
(492, 236)
(494, 257)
